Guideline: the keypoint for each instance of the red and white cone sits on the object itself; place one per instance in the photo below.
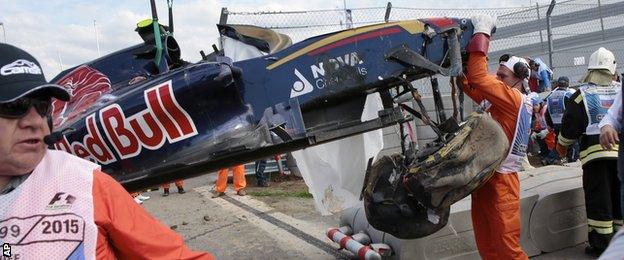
(350, 243)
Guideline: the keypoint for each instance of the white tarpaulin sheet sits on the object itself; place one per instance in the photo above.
(238, 51)
(334, 172)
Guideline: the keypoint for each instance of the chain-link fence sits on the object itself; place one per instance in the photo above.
(300, 25)
(577, 28)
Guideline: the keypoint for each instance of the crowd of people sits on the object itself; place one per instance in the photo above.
(581, 122)
(546, 123)
(566, 126)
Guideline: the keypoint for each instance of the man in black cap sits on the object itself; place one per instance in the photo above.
(556, 101)
(55, 205)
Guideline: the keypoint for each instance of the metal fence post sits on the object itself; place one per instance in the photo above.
(222, 20)
(3, 32)
(549, 30)
(601, 21)
(388, 9)
(540, 31)
(224, 16)
(349, 19)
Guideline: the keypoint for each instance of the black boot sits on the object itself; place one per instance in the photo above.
(597, 243)
(165, 192)
(594, 251)
(181, 190)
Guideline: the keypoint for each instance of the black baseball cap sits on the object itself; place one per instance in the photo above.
(21, 75)
(563, 79)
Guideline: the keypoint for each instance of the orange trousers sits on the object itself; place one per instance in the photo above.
(238, 173)
(178, 183)
(496, 218)
(550, 140)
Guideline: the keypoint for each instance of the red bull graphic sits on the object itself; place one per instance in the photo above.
(86, 85)
(163, 120)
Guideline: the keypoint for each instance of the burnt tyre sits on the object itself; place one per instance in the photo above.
(412, 198)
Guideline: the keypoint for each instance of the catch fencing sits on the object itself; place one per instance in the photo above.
(562, 34)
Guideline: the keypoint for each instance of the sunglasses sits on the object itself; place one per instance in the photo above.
(19, 108)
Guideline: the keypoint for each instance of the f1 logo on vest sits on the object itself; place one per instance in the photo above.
(61, 201)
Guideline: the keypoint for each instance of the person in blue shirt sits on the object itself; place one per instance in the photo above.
(542, 72)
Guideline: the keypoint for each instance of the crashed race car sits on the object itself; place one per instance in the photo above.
(148, 117)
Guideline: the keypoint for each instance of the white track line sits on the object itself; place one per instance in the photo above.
(287, 240)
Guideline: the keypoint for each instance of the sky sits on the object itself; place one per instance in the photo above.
(62, 33)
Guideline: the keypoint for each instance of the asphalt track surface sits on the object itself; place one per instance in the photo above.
(235, 227)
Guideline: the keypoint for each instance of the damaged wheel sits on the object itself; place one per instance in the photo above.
(390, 208)
(412, 200)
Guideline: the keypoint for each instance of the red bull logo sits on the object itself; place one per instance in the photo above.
(86, 85)
(164, 120)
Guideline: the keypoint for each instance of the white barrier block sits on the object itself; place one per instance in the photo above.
(552, 217)
(559, 219)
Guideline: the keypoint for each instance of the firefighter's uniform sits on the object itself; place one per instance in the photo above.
(583, 113)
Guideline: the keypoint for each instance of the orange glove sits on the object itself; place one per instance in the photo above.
(561, 150)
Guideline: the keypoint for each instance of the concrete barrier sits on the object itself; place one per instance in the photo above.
(552, 218)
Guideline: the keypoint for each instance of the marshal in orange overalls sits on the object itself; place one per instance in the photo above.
(238, 173)
(127, 231)
(495, 205)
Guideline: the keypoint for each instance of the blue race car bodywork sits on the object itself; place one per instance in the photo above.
(148, 126)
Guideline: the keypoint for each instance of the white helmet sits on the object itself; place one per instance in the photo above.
(519, 66)
(602, 59)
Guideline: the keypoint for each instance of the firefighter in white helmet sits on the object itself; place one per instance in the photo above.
(584, 110)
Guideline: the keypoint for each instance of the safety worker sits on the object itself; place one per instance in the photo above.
(261, 176)
(610, 126)
(542, 133)
(556, 106)
(556, 101)
(57, 198)
(583, 113)
(541, 72)
(238, 174)
(179, 184)
(496, 204)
